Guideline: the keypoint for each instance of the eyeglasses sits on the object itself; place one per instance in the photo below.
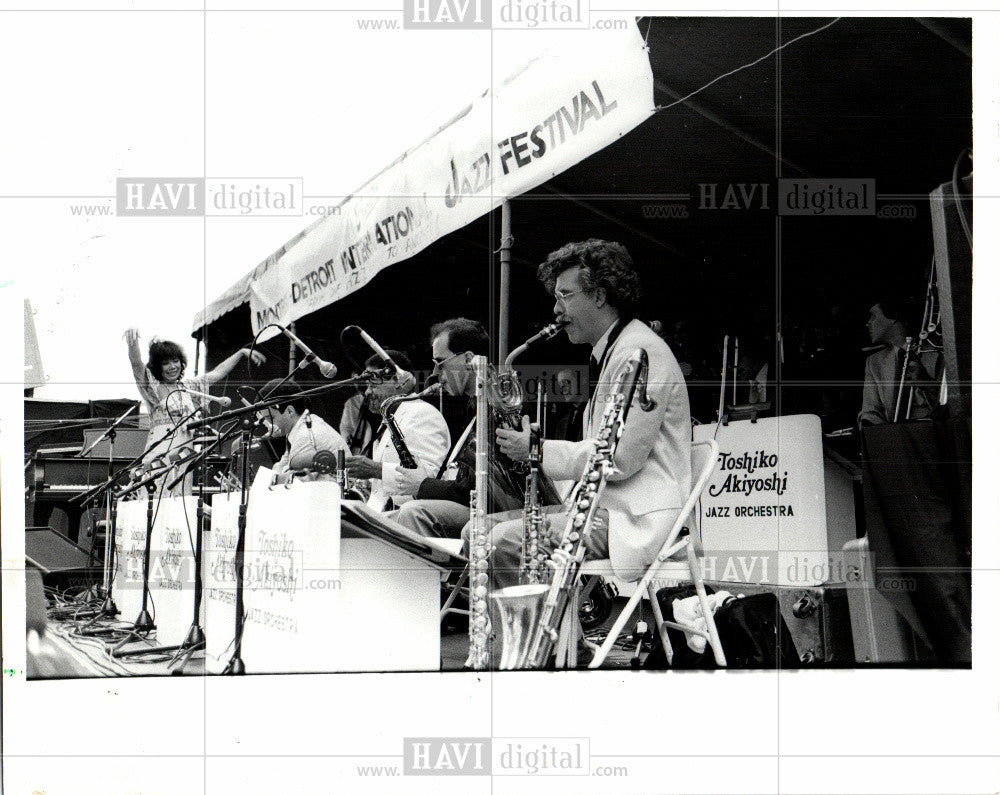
(439, 362)
(374, 376)
(563, 295)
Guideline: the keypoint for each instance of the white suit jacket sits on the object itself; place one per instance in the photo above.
(308, 436)
(653, 456)
(426, 435)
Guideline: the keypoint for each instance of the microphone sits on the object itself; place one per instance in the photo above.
(262, 424)
(402, 376)
(328, 369)
(223, 401)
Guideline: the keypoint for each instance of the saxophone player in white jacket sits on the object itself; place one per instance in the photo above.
(596, 287)
(423, 428)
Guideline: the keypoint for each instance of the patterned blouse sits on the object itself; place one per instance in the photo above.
(167, 404)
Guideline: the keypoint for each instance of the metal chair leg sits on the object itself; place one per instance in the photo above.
(699, 586)
(446, 607)
(616, 629)
(661, 626)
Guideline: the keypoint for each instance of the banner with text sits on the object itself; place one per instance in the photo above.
(551, 113)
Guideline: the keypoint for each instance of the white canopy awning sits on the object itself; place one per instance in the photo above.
(554, 110)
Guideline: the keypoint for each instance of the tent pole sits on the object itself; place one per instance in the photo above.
(291, 350)
(505, 246)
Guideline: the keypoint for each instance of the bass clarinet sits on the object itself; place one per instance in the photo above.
(533, 614)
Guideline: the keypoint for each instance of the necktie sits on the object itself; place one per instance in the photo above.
(595, 373)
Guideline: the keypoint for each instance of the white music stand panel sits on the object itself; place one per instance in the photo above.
(171, 564)
(315, 602)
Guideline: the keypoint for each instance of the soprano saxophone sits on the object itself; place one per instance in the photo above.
(532, 615)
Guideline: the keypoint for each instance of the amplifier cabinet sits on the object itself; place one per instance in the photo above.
(818, 618)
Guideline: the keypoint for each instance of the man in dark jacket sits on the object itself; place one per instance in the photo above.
(441, 505)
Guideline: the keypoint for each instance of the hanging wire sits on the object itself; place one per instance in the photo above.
(748, 65)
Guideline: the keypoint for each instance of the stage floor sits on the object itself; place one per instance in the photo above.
(61, 653)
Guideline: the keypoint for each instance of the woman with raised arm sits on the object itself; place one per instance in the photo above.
(168, 395)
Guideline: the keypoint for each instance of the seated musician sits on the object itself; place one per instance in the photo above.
(423, 428)
(596, 288)
(887, 326)
(305, 433)
(167, 393)
(441, 504)
(359, 422)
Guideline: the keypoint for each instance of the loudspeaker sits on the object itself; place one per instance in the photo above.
(62, 563)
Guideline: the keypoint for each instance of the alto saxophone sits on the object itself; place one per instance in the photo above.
(388, 412)
(531, 615)
(479, 547)
(371, 489)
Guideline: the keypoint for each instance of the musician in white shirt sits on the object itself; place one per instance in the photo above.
(422, 427)
(305, 433)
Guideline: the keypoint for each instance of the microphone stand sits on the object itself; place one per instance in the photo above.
(253, 408)
(236, 666)
(96, 490)
(108, 607)
(195, 639)
(144, 622)
(109, 433)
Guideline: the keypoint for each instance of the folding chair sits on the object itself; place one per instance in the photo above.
(703, 458)
(454, 545)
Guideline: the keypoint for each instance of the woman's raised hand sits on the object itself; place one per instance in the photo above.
(256, 357)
